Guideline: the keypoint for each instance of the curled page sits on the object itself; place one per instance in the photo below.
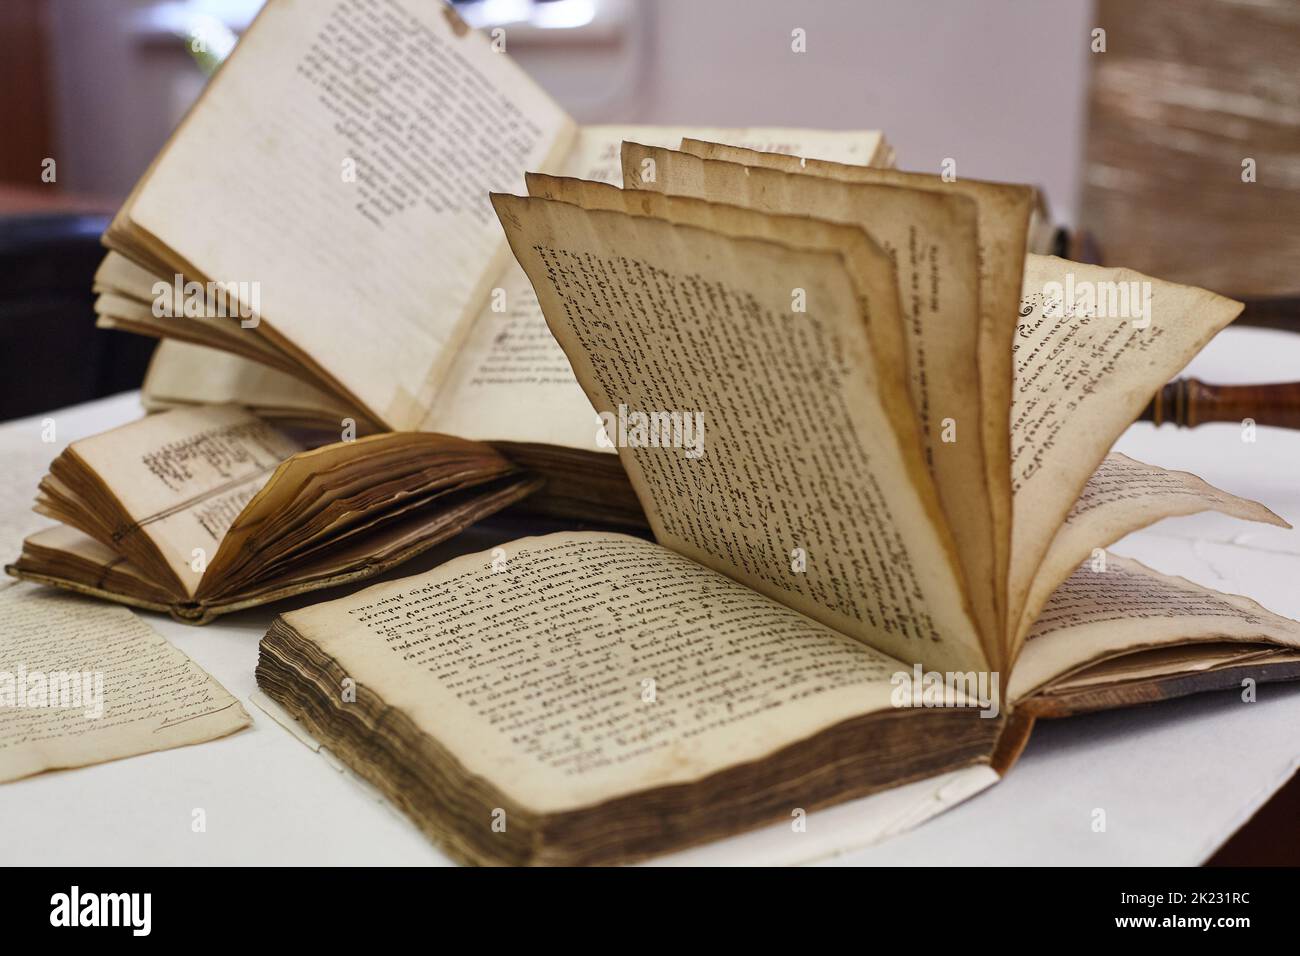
(1122, 496)
(1100, 614)
(1092, 346)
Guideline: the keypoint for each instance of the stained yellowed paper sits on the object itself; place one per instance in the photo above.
(1129, 607)
(582, 605)
(933, 240)
(181, 374)
(417, 243)
(178, 481)
(663, 318)
(83, 682)
(1084, 371)
(511, 381)
(1004, 211)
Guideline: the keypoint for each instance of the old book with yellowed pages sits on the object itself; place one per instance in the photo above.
(367, 264)
(872, 440)
(202, 511)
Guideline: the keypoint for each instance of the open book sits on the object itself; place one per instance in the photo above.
(356, 268)
(885, 560)
(208, 510)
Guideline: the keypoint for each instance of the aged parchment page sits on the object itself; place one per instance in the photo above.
(933, 241)
(1004, 211)
(799, 460)
(395, 174)
(116, 311)
(1122, 496)
(1178, 659)
(734, 675)
(870, 269)
(1128, 607)
(596, 152)
(321, 506)
(511, 380)
(90, 561)
(82, 682)
(183, 374)
(125, 297)
(118, 274)
(1083, 374)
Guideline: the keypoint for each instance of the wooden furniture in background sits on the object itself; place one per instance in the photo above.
(1188, 402)
(1184, 93)
(24, 93)
(51, 354)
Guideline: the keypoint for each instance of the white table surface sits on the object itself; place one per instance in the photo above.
(1174, 779)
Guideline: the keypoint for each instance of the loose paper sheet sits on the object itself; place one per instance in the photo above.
(82, 682)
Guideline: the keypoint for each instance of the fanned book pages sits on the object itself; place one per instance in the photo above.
(871, 438)
(368, 278)
(202, 511)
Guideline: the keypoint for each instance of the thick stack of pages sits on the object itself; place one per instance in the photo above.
(208, 510)
(888, 558)
(368, 279)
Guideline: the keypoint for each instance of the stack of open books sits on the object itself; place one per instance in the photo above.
(868, 432)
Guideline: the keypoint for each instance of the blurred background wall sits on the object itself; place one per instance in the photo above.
(998, 85)
(1192, 167)
(1137, 133)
